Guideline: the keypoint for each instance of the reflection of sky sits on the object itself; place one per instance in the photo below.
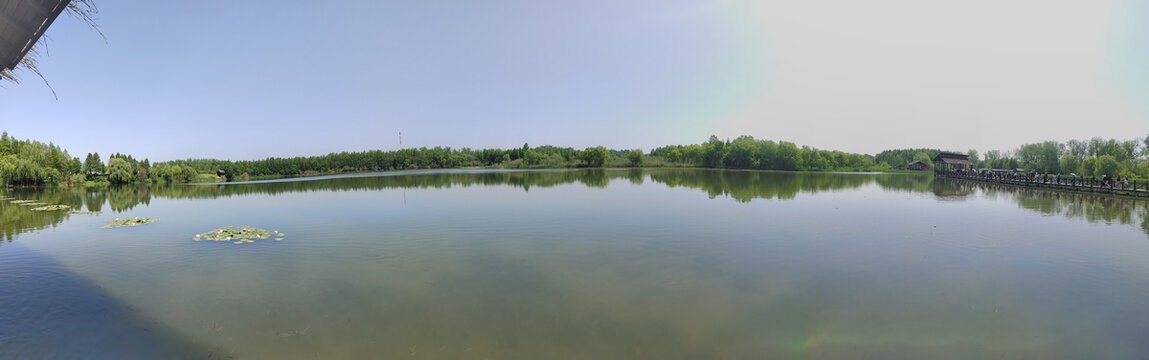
(664, 273)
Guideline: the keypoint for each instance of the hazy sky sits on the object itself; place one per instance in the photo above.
(248, 80)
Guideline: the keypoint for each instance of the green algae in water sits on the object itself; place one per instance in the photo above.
(238, 235)
(52, 208)
(128, 222)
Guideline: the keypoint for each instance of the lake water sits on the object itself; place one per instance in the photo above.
(597, 264)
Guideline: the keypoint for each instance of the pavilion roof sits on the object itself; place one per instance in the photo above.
(952, 159)
(22, 23)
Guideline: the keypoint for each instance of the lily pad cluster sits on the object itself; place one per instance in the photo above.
(40, 206)
(78, 212)
(52, 208)
(28, 203)
(118, 222)
(238, 234)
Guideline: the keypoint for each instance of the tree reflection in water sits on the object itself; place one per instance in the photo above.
(741, 186)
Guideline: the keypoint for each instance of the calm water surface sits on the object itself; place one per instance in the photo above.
(626, 264)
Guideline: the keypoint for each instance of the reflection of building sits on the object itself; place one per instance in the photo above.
(947, 161)
(22, 23)
(948, 189)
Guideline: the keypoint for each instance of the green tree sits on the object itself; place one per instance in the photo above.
(973, 158)
(787, 156)
(1128, 150)
(119, 171)
(186, 174)
(713, 152)
(531, 157)
(635, 157)
(75, 167)
(1145, 149)
(1106, 165)
(1070, 163)
(1077, 148)
(6, 144)
(993, 159)
(1088, 165)
(93, 166)
(925, 159)
(595, 156)
(1040, 157)
(742, 153)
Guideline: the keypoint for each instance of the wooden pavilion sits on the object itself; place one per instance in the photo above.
(917, 165)
(950, 161)
(22, 23)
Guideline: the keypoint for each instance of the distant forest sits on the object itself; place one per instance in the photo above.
(1094, 157)
(29, 162)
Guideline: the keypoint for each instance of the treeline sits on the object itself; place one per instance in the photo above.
(1094, 157)
(28, 162)
(741, 153)
(33, 163)
(413, 158)
(902, 157)
(745, 152)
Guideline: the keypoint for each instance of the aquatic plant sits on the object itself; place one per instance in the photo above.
(117, 222)
(77, 212)
(52, 208)
(238, 234)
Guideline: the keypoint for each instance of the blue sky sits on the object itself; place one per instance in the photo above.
(248, 80)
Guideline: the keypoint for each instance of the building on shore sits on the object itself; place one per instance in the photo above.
(917, 166)
(951, 161)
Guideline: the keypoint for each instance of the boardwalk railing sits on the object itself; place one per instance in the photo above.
(1133, 188)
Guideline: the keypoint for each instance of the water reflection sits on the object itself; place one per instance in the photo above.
(544, 264)
(741, 186)
(1073, 205)
(744, 186)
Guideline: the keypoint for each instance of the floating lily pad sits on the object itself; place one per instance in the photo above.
(28, 203)
(237, 234)
(52, 208)
(129, 222)
(77, 212)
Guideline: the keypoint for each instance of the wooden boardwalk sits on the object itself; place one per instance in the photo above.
(1135, 188)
